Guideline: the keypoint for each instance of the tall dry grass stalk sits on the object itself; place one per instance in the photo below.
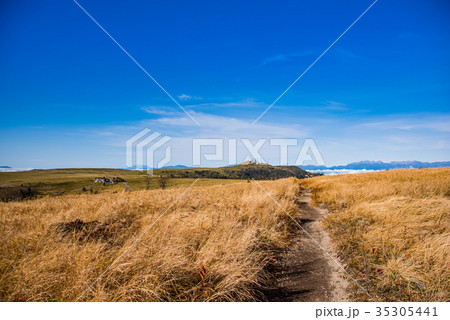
(212, 245)
(393, 229)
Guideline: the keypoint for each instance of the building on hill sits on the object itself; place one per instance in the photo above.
(249, 162)
(107, 180)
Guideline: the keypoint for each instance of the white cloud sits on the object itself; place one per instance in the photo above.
(222, 126)
(160, 110)
(336, 106)
(185, 97)
(437, 123)
(106, 133)
(246, 103)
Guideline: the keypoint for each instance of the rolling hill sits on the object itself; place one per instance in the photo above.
(243, 171)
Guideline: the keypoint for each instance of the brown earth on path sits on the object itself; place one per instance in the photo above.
(305, 272)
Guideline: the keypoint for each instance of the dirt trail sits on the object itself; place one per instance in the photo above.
(305, 272)
(127, 189)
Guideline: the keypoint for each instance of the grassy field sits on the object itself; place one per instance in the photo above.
(214, 244)
(72, 181)
(217, 242)
(392, 229)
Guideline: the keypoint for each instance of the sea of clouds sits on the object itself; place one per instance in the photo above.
(341, 171)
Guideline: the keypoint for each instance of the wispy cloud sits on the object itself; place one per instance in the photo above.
(185, 97)
(159, 110)
(249, 103)
(223, 126)
(106, 133)
(246, 103)
(326, 108)
(415, 122)
(285, 57)
(336, 106)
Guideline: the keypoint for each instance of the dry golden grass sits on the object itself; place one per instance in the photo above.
(212, 245)
(392, 228)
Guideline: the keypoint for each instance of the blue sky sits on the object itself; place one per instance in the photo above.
(69, 96)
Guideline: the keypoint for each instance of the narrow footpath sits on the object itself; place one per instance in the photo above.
(305, 272)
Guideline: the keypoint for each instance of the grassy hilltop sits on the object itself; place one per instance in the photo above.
(243, 171)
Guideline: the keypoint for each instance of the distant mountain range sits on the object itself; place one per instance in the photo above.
(380, 165)
(176, 167)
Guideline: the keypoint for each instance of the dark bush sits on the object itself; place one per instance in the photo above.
(8, 194)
